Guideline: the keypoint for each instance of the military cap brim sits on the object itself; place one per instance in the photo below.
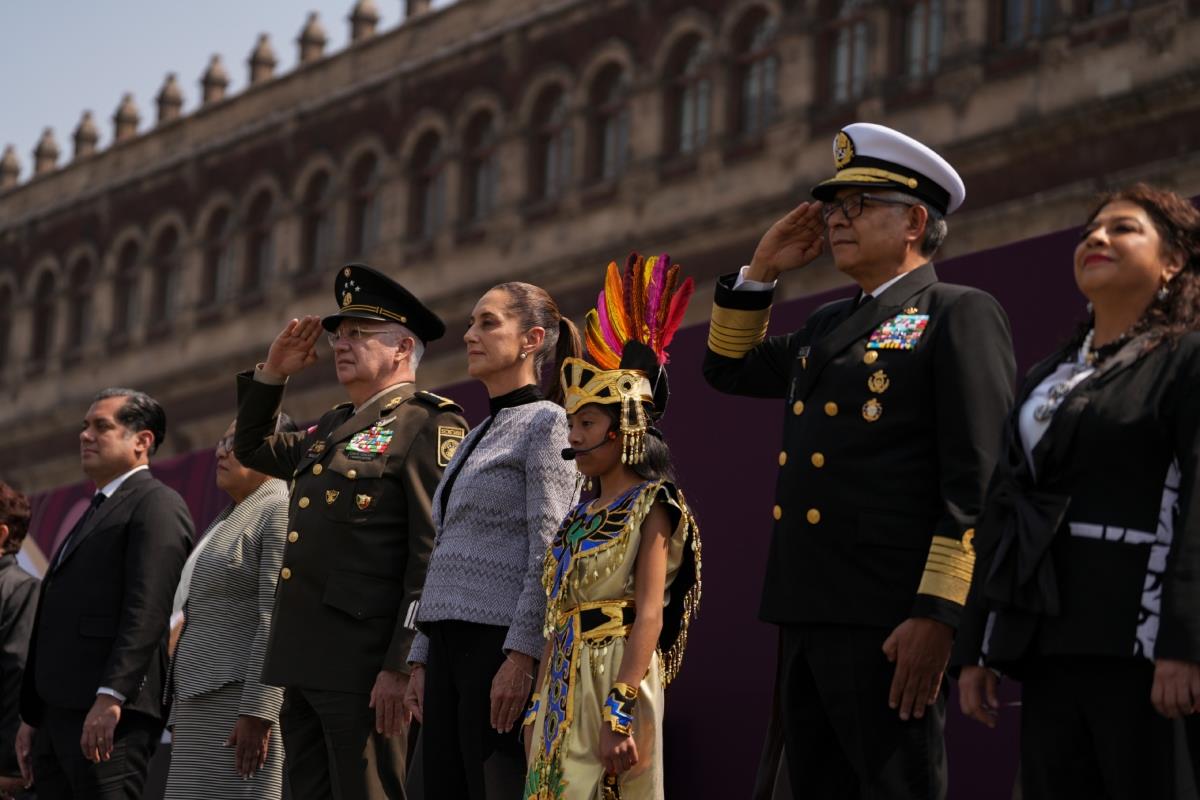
(362, 292)
(870, 156)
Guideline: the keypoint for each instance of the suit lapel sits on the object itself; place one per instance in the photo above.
(106, 509)
(1055, 444)
(863, 320)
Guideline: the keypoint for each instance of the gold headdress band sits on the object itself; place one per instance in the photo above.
(584, 383)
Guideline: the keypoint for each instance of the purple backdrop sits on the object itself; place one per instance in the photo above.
(726, 449)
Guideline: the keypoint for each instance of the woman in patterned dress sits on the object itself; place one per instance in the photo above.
(622, 575)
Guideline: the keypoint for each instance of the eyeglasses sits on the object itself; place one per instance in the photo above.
(225, 444)
(354, 335)
(852, 206)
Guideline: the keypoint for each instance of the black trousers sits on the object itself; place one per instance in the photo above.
(841, 740)
(333, 751)
(464, 757)
(1088, 729)
(62, 773)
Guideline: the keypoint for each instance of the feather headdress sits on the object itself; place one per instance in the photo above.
(645, 305)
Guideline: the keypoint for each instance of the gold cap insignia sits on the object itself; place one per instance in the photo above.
(878, 382)
(347, 298)
(330, 496)
(872, 410)
(346, 272)
(363, 501)
(843, 149)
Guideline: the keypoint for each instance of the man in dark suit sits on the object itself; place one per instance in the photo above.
(895, 399)
(91, 698)
(18, 604)
(360, 532)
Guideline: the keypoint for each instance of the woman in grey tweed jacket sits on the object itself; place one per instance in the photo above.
(499, 502)
(224, 720)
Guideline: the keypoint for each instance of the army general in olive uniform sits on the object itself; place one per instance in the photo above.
(894, 403)
(359, 533)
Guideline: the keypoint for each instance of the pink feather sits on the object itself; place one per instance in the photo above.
(658, 279)
(606, 328)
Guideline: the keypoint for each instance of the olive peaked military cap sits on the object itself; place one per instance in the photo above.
(362, 292)
(876, 157)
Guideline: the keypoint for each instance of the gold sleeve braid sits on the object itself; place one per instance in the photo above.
(734, 332)
(949, 568)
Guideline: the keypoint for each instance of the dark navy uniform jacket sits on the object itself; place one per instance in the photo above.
(893, 413)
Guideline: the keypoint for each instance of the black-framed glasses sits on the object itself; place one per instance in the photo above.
(354, 334)
(852, 206)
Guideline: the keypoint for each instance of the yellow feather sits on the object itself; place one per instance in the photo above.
(614, 301)
(598, 349)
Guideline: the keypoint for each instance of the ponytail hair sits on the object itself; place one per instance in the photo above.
(535, 308)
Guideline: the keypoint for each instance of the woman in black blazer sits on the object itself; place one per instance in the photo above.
(1087, 587)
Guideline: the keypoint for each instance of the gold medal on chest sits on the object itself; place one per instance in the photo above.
(331, 495)
(878, 382)
(872, 410)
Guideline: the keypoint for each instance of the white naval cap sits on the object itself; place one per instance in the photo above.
(874, 156)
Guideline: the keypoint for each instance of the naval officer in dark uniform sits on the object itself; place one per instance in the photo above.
(359, 536)
(894, 402)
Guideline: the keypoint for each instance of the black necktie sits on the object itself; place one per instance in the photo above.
(97, 499)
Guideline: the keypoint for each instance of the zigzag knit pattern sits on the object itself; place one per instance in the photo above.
(507, 501)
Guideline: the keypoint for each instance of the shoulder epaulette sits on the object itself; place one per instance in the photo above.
(443, 403)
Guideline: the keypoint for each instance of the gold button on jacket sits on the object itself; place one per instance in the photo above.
(813, 516)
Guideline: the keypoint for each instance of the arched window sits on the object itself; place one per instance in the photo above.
(364, 205)
(609, 145)
(756, 73)
(479, 175)
(79, 312)
(848, 40)
(260, 243)
(317, 227)
(126, 310)
(1024, 20)
(45, 316)
(6, 325)
(688, 96)
(924, 21)
(218, 259)
(553, 145)
(164, 295)
(428, 183)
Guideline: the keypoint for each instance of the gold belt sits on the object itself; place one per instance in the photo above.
(601, 619)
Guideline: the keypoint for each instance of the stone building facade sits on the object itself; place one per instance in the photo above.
(535, 140)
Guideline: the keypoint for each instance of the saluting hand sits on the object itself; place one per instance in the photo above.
(920, 649)
(295, 348)
(791, 243)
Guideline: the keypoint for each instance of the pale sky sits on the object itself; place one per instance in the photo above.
(60, 57)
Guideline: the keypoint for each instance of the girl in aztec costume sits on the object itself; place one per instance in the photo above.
(622, 575)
